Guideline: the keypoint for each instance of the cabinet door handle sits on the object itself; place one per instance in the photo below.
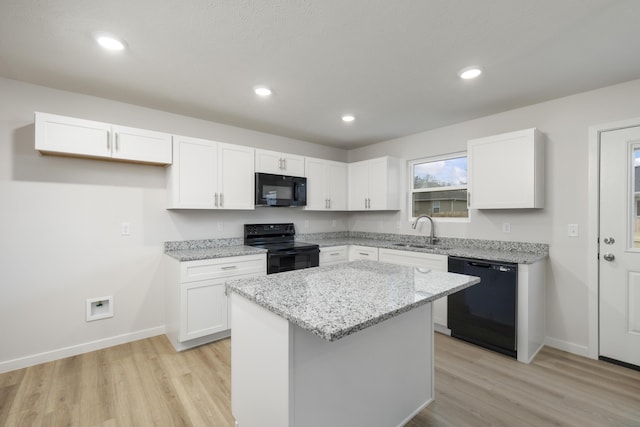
(329, 203)
(230, 267)
(334, 254)
(284, 162)
(221, 200)
(364, 254)
(216, 200)
(117, 141)
(280, 164)
(108, 141)
(468, 199)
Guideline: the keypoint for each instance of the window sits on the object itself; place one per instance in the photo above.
(439, 186)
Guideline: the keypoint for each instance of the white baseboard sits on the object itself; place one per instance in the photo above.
(580, 350)
(36, 359)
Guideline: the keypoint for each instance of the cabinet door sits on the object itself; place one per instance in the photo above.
(236, 177)
(293, 165)
(141, 145)
(317, 199)
(418, 259)
(193, 178)
(378, 185)
(337, 186)
(507, 171)
(59, 134)
(358, 185)
(268, 162)
(203, 309)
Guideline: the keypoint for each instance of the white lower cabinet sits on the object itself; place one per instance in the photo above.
(435, 262)
(334, 255)
(362, 252)
(197, 303)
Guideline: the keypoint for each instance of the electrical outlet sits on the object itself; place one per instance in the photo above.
(306, 223)
(220, 226)
(573, 230)
(125, 229)
(506, 227)
(333, 223)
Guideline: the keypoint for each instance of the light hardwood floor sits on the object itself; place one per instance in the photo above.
(146, 383)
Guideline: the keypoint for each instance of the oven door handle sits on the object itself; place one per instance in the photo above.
(296, 252)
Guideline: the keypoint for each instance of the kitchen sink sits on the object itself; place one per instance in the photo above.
(412, 245)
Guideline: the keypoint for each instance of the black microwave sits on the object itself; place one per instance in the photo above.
(280, 190)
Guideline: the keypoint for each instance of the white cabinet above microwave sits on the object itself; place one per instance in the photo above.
(279, 163)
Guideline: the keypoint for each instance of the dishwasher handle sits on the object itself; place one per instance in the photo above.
(479, 264)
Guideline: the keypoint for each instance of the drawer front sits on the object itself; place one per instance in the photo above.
(333, 255)
(363, 252)
(433, 261)
(218, 268)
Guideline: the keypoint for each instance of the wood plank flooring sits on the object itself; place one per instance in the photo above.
(147, 383)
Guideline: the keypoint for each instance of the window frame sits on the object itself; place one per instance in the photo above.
(410, 165)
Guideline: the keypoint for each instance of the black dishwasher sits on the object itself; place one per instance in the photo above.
(485, 314)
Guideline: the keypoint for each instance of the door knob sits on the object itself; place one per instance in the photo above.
(609, 240)
(609, 257)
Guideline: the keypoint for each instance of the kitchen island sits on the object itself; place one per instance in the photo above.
(342, 345)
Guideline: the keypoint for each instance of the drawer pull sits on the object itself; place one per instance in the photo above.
(364, 254)
(230, 267)
(334, 254)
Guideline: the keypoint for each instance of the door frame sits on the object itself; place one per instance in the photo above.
(593, 224)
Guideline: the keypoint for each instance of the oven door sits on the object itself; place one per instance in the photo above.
(292, 260)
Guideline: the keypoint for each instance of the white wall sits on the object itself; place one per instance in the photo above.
(60, 221)
(565, 123)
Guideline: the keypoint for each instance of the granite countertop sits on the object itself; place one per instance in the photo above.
(492, 250)
(513, 252)
(194, 250)
(210, 253)
(338, 300)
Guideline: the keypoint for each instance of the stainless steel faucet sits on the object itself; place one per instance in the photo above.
(432, 236)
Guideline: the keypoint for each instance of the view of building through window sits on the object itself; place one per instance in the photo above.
(439, 186)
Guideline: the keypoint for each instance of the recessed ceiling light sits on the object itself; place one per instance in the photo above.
(348, 118)
(109, 41)
(262, 90)
(470, 72)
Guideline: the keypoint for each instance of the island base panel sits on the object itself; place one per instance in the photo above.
(285, 376)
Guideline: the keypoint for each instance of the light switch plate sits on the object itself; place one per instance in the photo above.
(125, 229)
(506, 227)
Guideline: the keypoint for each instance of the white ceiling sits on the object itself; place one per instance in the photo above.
(392, 63)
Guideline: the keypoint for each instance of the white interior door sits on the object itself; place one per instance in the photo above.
(619, 259)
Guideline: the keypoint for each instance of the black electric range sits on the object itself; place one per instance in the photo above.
(283, 252)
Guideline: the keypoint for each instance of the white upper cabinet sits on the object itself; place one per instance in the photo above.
(507, 171)
(236, 177)
(326, 185)
(374, 184)
(279, 163)
(210, 175)
(85, 138)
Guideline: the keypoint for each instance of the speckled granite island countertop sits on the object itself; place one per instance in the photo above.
(338, 300)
